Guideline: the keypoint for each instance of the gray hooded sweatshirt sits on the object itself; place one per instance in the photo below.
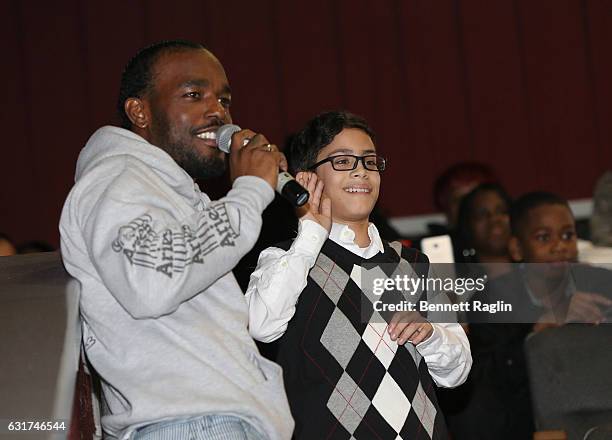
(164, 320)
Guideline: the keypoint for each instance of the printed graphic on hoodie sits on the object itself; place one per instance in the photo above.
(170, 251)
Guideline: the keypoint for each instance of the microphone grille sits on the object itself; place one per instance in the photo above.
(224, 136)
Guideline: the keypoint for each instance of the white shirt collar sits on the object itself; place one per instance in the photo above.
(345, 237)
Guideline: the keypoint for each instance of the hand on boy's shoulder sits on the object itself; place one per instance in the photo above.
(318, 208)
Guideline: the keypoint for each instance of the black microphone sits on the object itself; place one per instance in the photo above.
(286, 186)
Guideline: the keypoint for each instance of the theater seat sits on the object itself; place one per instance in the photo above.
(40, 342)
(571, 380)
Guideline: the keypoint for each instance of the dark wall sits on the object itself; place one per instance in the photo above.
(522, 85)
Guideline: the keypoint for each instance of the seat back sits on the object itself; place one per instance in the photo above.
(570, 373)
(41, 340)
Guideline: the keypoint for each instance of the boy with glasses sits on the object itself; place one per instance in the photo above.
(346, 376)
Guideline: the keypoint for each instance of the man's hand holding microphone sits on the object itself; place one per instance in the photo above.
(251, 154)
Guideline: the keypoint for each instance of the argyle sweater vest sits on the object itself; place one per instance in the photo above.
(344, 377)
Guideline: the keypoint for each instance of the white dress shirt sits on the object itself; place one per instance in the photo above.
(281, 276)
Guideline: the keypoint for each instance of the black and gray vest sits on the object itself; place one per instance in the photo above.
(344, 378)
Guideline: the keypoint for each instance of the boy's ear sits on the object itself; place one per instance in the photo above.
(514, 246)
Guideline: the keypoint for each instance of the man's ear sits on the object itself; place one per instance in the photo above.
(136, 110)
(514, 246)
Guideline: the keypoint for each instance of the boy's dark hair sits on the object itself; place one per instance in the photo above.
(303, 147)
(524, 204)
(137, 77)
(464, 217)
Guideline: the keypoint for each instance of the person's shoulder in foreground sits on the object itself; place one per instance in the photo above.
(344, 364)
(164, 321)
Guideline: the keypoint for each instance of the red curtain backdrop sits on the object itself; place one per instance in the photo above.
(521, 85)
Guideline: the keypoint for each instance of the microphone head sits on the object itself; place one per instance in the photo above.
(224, 136)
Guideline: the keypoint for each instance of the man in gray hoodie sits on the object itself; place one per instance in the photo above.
(164, 321)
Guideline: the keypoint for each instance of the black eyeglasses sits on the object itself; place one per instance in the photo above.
(348, 162)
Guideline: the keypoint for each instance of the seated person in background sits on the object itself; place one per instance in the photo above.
(347, 376)
(599, 252)
(551, 292)
(548, 288)
(481, 238)
(601, 220)
(452, 185)
(483, 228)
(6, 246)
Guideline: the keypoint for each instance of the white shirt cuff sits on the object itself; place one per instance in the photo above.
(427, 342)
(310, 238)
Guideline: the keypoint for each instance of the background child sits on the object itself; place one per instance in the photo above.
(545, 290)
(544, 231)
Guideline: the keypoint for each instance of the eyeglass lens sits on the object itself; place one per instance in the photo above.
(373, 163)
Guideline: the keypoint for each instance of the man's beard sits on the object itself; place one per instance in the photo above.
(184, 152)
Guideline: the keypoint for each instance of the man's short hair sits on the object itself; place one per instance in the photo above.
(137, 77)
(304, 146)
(523, 205)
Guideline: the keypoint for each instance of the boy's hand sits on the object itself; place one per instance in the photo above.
(409, 326)
(587, 307)
(318, 208)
